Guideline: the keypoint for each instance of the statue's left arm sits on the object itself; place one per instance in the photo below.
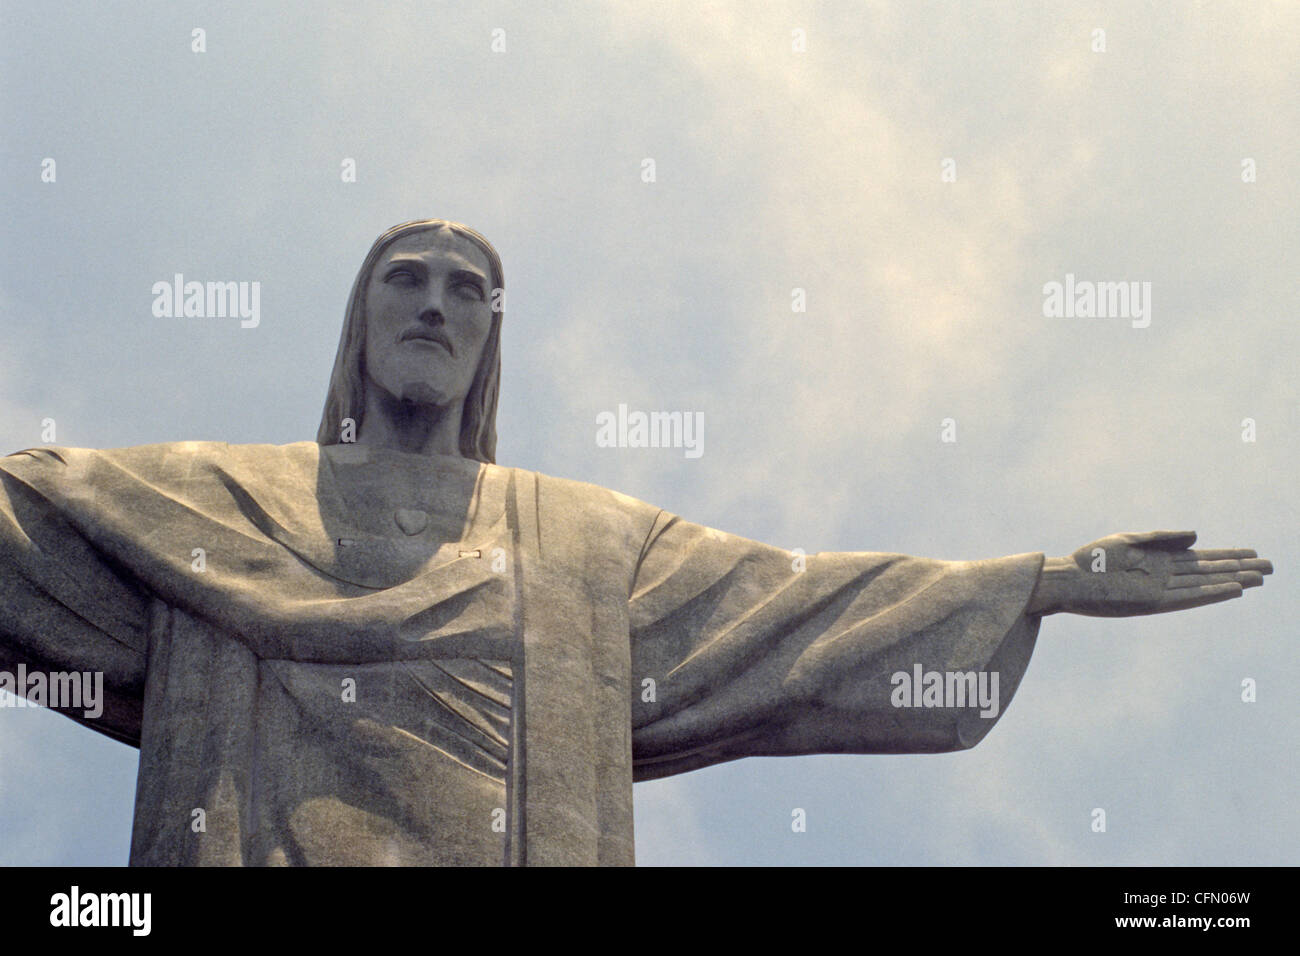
(742, 649)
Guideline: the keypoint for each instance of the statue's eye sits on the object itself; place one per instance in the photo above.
(470, 290)
(400, 277)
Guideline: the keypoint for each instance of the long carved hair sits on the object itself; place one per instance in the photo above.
(347, 391)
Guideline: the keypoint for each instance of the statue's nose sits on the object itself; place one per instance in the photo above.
(432, 309)
(432, 313)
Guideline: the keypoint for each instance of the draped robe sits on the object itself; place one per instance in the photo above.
(352, 655)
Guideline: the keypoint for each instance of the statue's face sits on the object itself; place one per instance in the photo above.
(428, 314)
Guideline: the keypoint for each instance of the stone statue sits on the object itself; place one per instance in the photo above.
(383, 648)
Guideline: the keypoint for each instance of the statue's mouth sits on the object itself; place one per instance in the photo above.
(432, 336)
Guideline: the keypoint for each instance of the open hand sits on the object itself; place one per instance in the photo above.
(1147, 573)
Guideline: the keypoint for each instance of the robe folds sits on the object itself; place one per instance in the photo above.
(351, 655)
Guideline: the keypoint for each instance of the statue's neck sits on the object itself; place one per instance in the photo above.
(415, 428)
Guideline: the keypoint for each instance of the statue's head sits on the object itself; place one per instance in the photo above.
(421, 326)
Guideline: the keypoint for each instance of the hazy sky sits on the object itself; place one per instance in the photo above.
(776, 169)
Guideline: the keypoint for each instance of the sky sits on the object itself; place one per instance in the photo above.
(919, 171)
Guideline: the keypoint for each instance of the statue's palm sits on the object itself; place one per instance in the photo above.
(1156, 571)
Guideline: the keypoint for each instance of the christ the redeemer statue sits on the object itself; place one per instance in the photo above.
(381, 647)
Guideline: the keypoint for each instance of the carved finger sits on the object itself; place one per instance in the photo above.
(1247, 579)
(1185, 598)
(1222, 567)
(1216, 554)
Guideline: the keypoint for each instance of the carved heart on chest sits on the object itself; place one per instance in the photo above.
(410, 520)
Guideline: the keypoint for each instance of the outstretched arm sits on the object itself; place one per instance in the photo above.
(741, 649)
(63, 607)
(1124, 575)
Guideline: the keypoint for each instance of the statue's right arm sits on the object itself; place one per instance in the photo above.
(63, 606)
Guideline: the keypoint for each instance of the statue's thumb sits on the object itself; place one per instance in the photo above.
(1165, 540)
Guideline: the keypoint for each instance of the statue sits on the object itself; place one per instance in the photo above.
(382, 647)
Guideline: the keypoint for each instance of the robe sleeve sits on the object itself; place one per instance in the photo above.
(742, 649)
(63, 606)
